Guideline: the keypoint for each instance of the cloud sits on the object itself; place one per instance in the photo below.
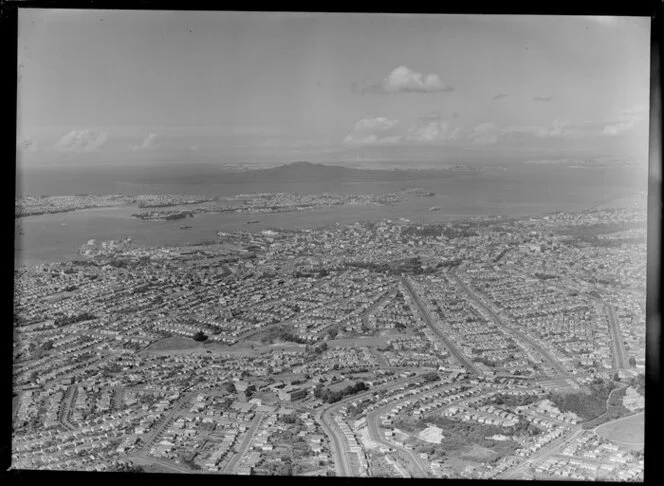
(434, 131)
(488, 133)
(542, 99)
(484, 134)
(499, 96)
(371, 130)
(81, 141)
(27, 145)
(626, 121)
(557, 129)
(553, 161)
(618, 128)
(405, 80)
(432, 116)
(148, 143)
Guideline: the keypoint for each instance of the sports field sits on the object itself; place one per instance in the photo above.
(627, 431)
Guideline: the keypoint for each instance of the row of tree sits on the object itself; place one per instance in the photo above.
(329, 396)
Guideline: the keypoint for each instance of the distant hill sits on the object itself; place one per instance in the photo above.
(297, 172)
(311, 172)
(443, 154)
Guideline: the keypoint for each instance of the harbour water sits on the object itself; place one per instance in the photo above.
(59, 236)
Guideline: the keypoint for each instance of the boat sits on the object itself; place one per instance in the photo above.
(434, 208)
(185, 227)
(252, 221)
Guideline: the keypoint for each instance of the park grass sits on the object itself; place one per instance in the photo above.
(174, 343)
(478, 453)
(628, 431)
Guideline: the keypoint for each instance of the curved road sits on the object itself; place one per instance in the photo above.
(337, 439)
(339, 451)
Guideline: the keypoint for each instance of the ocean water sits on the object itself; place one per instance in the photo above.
(508, 192)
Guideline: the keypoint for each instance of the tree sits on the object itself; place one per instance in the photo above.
(124, 467)
(632, 362)
(616, 377)
(200, 336)
(333, 333)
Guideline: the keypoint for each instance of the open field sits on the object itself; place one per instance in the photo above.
(182, 345)
(628, 431)
(358, 342)
(174, 344)
(478, 453)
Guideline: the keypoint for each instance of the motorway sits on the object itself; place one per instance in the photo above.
(617, 343)
(427, 316)
(560, 369)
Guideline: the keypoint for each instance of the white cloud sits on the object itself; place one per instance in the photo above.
(148, 143)
(375, 123)
(405, 80)
(371, 130)
(558, 129)
(81, 141)
(484, 134)
(621, 127)
(550, 161)
(433, 132)
(488, 133)
(627, 120)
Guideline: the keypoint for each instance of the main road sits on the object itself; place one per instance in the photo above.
(617, 342)
(159, 429)
(427, 317)
(339, 449)
(552, 448)
(230, 466)
(337, 439)
(554, 363)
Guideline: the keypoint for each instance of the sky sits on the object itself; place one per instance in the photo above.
(219, 86)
